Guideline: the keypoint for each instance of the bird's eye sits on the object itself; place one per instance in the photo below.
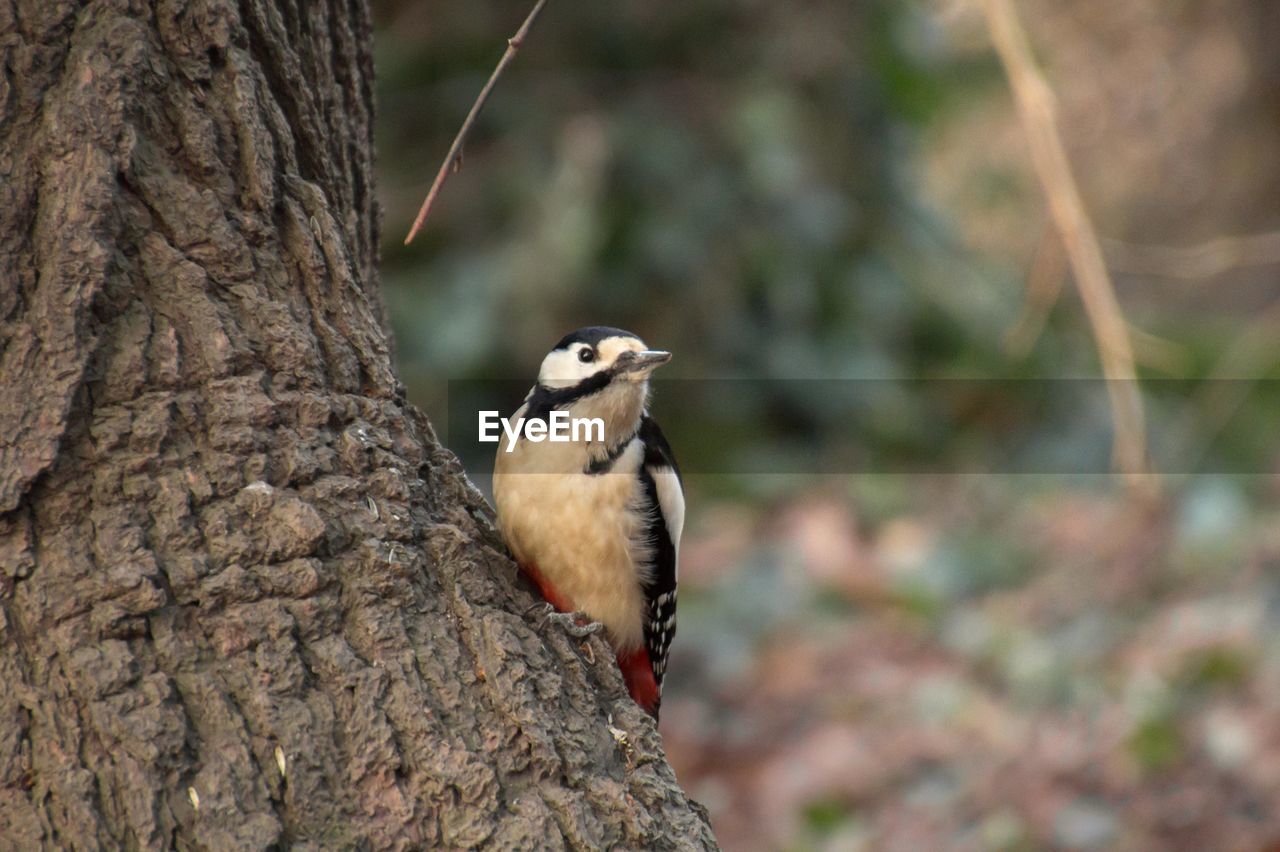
(586, 355)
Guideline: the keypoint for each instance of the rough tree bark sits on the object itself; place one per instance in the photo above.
(246, 600)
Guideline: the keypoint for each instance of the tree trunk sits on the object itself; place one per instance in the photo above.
(246, 600)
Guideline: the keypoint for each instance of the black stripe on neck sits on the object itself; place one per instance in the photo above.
(543, 400)
(604, 465)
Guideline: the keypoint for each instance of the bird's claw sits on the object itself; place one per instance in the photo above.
(575, 623)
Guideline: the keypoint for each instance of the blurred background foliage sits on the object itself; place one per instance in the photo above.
(836, 190)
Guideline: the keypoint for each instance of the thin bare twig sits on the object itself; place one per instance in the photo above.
(453, 159)
(1227, 387)
(1036, 109)
(1044, 284)
(1159, 353)
(1205, 260)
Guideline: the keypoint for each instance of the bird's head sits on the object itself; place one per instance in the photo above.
(596, 357)
(600, 372)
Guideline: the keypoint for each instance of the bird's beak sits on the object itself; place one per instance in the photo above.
(642, 361)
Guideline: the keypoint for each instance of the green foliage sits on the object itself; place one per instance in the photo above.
(1157, 743)
(825, 816)
(1219, 667)
(830, 823)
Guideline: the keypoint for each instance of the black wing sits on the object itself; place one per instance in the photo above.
(661, 478)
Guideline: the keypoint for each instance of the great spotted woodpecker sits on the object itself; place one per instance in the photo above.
(595, 523)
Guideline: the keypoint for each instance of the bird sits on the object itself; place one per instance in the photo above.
(595, 523)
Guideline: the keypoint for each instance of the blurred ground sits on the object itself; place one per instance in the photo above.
(842, 191)
(982, 663)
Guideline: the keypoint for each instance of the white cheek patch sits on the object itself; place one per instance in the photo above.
(562, 368)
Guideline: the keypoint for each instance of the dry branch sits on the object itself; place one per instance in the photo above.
(1205, 260)
(1044, 285)
(1036, 109)
(1228, 385)
(453, 159)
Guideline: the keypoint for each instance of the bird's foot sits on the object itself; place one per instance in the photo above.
(574, 623)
